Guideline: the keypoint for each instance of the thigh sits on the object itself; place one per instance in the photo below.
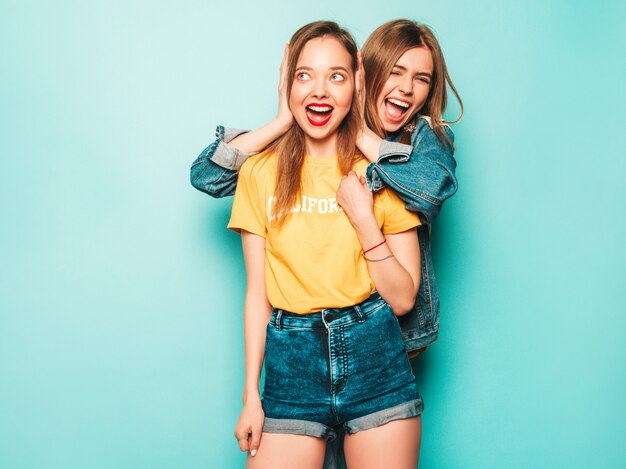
(281, 450)
(395, 444)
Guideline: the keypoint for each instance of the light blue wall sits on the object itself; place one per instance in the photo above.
(121, 290)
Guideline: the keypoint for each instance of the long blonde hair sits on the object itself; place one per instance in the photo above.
(290, 148)
(381, 51)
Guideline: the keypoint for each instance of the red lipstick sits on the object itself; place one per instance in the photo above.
(318, 114)
(318, 123)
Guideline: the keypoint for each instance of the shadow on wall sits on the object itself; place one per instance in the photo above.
(421, 369)
(214, 222)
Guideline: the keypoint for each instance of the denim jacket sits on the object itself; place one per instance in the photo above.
(422, 174)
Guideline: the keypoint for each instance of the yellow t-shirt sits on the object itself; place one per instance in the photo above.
(313, 260)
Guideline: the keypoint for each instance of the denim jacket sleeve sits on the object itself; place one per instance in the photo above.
(216, 168)
(421, 174)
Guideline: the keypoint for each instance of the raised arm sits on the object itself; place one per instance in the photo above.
(422, 174)
(393, 260)
(257, 313)
(215, 170)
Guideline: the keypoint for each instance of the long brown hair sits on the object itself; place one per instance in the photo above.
(290, 148)
(381, 51)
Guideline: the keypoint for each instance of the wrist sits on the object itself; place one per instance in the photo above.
(364, 223)
(371, 248)
(282, 124)
(251, 396)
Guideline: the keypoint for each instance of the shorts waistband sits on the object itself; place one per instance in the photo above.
(327, 318)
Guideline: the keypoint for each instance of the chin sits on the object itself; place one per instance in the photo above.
(391, 128)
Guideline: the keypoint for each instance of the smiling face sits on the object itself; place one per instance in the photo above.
(322, 90)
(406, 89)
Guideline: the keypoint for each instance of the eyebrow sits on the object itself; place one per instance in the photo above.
(331, 68)
(423, 74)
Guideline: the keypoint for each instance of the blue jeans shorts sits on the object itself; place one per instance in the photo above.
(344, 367)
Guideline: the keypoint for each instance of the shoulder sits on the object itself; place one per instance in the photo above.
(394, 209)
(424, 126)
(388, 199)
(424, 133)
(259, 166)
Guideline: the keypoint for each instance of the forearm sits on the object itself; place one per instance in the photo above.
(257, 312)
(216, 169)
(369, 144)
(257, 140)
(392, 280)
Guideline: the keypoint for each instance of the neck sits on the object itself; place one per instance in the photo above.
(326, 148)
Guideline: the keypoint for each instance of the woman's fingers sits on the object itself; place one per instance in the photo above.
(255, 439)
(249, 430)
(243, 436)
(350, 178)
(353, 192)
(284, 113)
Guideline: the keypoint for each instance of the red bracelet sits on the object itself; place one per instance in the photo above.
(374, 247)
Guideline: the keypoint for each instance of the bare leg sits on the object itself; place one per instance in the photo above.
(281, 450)
(395, 444)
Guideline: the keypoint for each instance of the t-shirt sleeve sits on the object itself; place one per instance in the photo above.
(397, 218)
(248, 211)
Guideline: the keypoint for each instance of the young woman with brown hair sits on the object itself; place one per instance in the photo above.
(404, 137)
(325, 275)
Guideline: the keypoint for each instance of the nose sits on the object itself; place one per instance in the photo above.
(406, 85)
(319, 88)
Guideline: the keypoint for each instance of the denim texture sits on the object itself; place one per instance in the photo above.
(422, 174)
(340, 367)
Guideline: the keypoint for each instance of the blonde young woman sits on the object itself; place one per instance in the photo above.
(329, 265)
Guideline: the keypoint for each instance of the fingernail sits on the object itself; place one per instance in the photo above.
(253, 453)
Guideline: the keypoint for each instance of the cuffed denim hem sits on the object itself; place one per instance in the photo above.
(225, 155)
(228, 133)
(394, 152)
(405, 410)
(419, 344)
(299, 427)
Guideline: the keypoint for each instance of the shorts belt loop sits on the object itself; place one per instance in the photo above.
(357, 308)
(279, 320)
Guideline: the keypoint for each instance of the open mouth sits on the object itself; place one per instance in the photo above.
(396, 109)
(319, 114)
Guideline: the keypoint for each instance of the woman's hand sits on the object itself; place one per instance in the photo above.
(355, 198)
(250, 425)
(393, 260)
(284, 116)
(257, 140)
